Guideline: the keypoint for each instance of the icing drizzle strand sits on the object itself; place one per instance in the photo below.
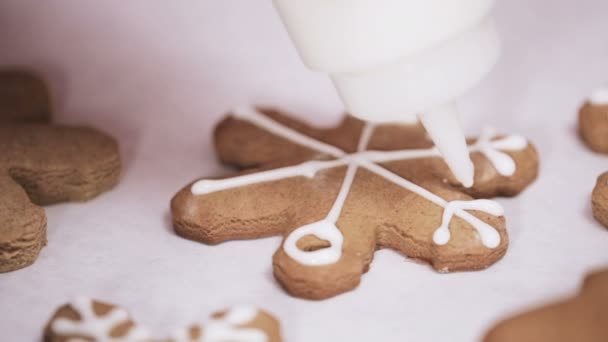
(326, 228)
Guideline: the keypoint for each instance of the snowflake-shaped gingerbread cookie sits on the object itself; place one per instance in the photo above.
(338, 195)
(88, 320)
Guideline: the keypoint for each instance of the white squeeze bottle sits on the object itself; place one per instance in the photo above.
(399, 60)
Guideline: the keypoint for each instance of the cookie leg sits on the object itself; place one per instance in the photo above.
(324, 281)
(455, 237)
(22, 227)
(581, 318)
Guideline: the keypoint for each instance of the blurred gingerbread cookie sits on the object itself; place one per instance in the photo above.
(583, 318)
(599, 199)
(337, 195)
(23, 97)
(42, 164)
(593, 121)
(85, 319)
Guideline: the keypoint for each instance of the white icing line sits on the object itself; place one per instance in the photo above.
(488, 234)
(388, 156)
(600, 96)
(350, 175)
(326, 229)
(258, 119)
(96, 327)
(502, 162)
(306, 169)
(491, 149)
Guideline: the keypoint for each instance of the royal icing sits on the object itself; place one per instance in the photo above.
(326, 229)
(492, 149)
(442, 234)
(228, 328)
(96, 327)
(600, 96)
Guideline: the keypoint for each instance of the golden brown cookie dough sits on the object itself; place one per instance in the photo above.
(42, 164)
(599, 200)
(397, 204)
(593, 123)
(95, 321)
(583, 318)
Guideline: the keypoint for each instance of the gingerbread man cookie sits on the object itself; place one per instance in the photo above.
(599, 200)
(43, 164)
(84, 319)
(583, 318)
(593, 121)
(338, 195)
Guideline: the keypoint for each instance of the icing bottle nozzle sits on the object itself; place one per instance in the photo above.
(443, 126)
(393, 59)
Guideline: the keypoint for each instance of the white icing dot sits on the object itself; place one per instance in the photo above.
(442, 235)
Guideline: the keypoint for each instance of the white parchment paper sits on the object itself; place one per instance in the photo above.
(158, 75)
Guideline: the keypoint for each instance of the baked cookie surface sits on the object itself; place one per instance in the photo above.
(338, 195)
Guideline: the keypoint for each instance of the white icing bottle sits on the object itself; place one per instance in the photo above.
(398, 60)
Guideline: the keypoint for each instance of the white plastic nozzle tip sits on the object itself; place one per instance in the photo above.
(443, 126)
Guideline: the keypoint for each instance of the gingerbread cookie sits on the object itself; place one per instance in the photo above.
(43, 164)
(338, 195)
(23, 97)
(593, 121)
(583, 318)
(599, 199)
(85, 319)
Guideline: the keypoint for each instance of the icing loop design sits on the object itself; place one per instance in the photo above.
(326, 229)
